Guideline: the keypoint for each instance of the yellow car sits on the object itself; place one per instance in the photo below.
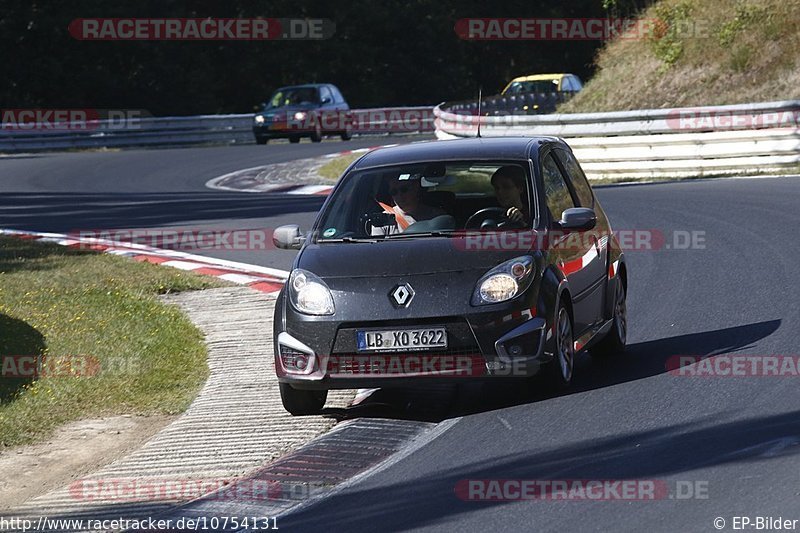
(543, 83)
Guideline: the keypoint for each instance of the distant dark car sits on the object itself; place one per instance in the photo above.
(303, 111)
(472, 258)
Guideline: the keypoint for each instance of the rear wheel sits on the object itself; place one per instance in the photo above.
(558, 372)
(347, 134)
(615, 339)
(302, 402)
(294, 140)
(261, 140)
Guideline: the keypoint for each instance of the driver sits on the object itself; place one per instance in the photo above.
(408, 205)
(509, 188)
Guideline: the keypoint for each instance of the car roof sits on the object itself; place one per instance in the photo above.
(510, 148)
(537, 77)
(303, 86)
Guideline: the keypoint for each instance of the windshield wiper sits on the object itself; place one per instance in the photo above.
(351, 239)
(442, 233)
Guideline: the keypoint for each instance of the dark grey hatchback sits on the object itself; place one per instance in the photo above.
(448, 260)
(298, 111)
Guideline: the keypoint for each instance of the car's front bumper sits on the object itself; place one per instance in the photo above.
(280, 131)
(507, 342)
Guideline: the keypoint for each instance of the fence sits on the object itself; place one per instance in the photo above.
(656, 143)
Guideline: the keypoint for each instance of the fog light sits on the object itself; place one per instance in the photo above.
(515, 349)
(293, 360)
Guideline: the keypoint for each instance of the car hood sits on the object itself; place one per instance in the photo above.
(424, 255)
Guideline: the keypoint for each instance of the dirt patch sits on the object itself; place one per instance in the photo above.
(74, 450)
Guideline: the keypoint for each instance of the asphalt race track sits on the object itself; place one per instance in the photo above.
(733, 440)
(736, 439)
(161, 188)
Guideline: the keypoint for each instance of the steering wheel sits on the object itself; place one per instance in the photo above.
(482, 215)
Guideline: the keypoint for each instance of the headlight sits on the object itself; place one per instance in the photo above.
(300, 115)
(309, 294)
(504, 282)
(259, 119)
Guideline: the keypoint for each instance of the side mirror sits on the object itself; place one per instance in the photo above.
(288, 237)
(578, 219)
(326, 100)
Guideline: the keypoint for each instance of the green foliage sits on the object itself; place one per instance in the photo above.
(746, 16)
(381, 53)
(666, 41)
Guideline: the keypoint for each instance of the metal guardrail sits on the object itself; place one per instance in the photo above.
(656, 143)
(176, 131)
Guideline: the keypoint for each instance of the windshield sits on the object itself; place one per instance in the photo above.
(428, 199)
(293, 96)
(538, 86)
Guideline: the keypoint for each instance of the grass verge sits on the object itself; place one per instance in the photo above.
(105, 344)
(702, 52)
(334, 168)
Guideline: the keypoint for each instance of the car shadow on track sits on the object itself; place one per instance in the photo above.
(434, 403)
(424, 497)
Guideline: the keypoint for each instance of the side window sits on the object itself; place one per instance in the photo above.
(577, 177)
(576, 82)
(566, 84)
(337, 96)
(324, 92)
(556, 192)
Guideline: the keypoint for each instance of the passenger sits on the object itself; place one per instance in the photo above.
(511, 192)
(408, 205)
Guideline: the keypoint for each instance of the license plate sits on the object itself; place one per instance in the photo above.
(401, 339)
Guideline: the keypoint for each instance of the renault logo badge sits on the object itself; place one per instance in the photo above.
(402, 295)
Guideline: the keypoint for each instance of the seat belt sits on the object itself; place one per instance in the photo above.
(402, 222)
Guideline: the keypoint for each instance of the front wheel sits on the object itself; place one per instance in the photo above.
(302, 402)
(558, 372)
(294, 140)
(261, 140)
(316, 135)
(614, 341)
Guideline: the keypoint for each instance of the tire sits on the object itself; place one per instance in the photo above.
(316, 135)
(615, 339)
(302, 402)
(558, 373)
(261, 140)
(347, 135)
(294, 140)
